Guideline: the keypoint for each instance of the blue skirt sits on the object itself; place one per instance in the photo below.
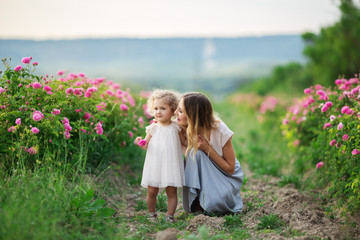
(218, 192)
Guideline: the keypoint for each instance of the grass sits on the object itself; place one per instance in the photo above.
(259, 144)
(46, 205)
(270, 221)
(291, 179)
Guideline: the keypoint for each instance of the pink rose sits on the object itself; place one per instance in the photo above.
(131, 134)
(26, 60)
(344, 109)
(67, 135)
(333, 142)
(329, 104)
(99, 128)
(36, 85)
(47, 88)
(12, 129)
(324, 108)
(32, 150)
(340, 126)
(67, 127)
(307, 90)
(35, 130)
(18, 121)
(65, 120)
(142, 142)
(320, 92)
(319, 165)
(17, 68)
(326, 125)
(338, 81)
(69, 90)
(35, 63)
(37, 117)
(345, 137)
(60, 73)
(285, 121)
(123, 107)
(55, 112)
(355, 152)
(87, 116)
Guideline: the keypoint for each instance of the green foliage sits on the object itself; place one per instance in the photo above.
(291, 179)
(336, 49)
(328, 138)
(233, 221)
(333, 53)
(292, 77)
(270, 221)
(161, 202)
(80, 119)
(46, 205)
(140, 205)
(84, 204)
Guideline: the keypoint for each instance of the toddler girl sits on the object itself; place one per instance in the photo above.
(164, 165)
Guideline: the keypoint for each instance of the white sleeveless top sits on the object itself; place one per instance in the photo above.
(219, 137)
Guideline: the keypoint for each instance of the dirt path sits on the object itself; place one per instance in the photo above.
(302, 216)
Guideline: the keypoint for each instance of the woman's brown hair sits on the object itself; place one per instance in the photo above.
(200, 115)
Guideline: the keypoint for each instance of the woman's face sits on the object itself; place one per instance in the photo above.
(181, 115)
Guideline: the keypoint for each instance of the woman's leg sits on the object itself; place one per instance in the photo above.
(151, 198)
(171, 193)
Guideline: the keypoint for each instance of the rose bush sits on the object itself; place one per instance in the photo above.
(63, 119)
(326, 126)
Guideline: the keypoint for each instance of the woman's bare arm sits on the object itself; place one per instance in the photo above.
(226, 163)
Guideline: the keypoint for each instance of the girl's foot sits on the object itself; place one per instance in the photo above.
(170, 219)
(152, 216)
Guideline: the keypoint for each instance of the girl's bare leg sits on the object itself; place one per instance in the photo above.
(151, 198)
(171, 193)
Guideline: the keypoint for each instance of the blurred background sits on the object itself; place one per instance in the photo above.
(208, 45)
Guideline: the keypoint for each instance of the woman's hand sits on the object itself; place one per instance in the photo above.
(203, 145)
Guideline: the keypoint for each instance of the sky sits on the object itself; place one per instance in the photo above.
(72, 19)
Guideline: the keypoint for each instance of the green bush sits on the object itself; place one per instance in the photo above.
(63, 121)
(325, 127)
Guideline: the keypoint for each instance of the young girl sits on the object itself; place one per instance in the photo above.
(164, 164)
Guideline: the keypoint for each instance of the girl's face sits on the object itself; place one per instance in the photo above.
(181, 115)
(162, 111)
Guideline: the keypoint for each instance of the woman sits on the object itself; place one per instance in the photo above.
(213, 176)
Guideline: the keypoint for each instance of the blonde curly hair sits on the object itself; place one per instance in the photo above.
(170, 97)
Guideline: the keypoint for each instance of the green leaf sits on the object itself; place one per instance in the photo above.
(105, 212)
(99, 203)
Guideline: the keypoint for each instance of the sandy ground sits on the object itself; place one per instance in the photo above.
(300, 212)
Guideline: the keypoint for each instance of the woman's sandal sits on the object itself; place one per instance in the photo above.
(170, 219)
(152, 216)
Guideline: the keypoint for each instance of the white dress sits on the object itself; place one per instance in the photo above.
(164, 163)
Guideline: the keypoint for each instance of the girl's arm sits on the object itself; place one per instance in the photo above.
(226, 163)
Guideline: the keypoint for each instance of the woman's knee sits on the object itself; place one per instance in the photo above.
(197, 156)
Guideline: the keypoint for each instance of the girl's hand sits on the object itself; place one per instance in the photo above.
(137, 140)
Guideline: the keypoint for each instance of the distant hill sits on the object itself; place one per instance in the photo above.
(212, 64)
